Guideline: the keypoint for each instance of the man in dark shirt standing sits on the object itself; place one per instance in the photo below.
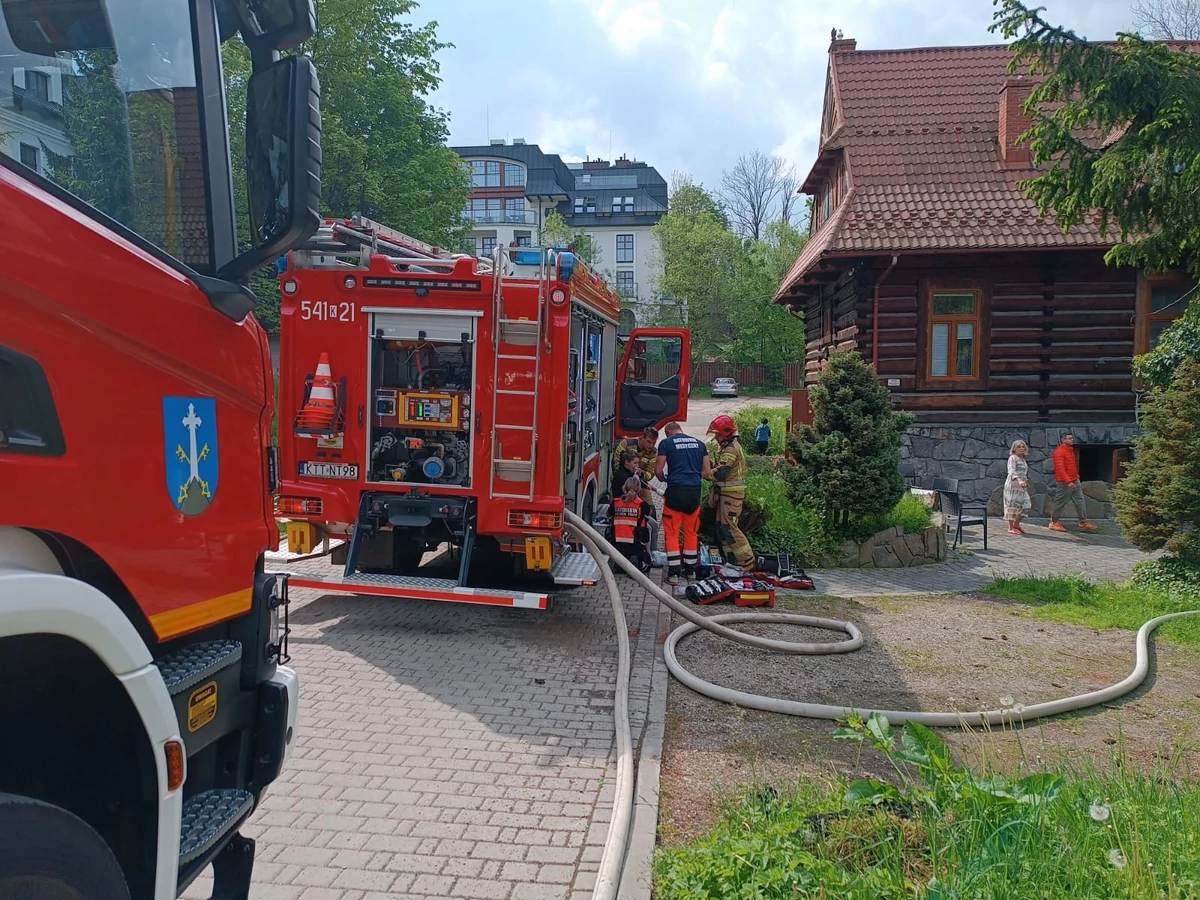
(682, 462)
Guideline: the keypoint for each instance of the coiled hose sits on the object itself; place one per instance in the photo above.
(613, 858)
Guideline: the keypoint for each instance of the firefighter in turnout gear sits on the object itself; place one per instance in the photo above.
(645, 448)
(728, 492)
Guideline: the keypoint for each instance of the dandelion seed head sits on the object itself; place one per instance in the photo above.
(1006, 701)
(1100, 812)
(1117, 858)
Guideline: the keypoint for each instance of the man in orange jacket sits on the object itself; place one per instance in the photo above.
(1066, 473)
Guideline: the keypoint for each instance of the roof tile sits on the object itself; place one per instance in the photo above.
(920, 137)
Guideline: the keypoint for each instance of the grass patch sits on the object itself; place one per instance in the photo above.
(937, 831)
(747, 421)
(1077, 601)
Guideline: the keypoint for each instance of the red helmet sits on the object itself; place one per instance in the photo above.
(723, 427)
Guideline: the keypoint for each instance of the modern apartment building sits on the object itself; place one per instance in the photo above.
(618, 203)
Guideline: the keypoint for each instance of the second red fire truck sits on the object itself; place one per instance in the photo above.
(449, 402)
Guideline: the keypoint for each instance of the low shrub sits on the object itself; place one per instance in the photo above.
(936, 830)
(910, 514)
(1169, 574)
(772, 523)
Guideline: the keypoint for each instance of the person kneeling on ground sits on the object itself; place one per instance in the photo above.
(728, 492)
(631, 516)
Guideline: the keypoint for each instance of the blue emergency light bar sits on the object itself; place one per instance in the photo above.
(526, 256)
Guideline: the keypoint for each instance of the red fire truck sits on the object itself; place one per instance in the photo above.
(467, 401)
(145, 707)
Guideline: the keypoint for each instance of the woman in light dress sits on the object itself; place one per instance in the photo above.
(1016, 488)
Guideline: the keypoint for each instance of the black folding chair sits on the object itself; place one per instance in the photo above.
(962, 515)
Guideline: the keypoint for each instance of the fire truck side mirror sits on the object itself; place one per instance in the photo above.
(271, 24)
(283, 162)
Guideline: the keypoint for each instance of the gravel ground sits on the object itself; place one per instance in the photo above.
(933, 653)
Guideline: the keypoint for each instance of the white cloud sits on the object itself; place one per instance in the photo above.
(684, 84)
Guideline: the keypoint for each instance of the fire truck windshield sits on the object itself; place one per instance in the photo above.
(101, 98)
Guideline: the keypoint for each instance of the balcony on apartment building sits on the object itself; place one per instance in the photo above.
(493, 217)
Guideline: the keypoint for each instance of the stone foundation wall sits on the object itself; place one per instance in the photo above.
(977, 455)
(892, 549)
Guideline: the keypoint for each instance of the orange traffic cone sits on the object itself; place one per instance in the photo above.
(319, 410)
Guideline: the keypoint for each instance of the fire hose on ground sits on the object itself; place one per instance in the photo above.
(613, 859)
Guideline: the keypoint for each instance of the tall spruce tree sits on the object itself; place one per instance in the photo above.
(1158, 502)
(848, 460)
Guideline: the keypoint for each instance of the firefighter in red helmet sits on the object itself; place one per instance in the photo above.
(728, 492)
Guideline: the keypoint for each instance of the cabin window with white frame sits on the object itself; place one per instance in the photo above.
(625, 248)
(578, 204)
(590, 205)
(954, 334)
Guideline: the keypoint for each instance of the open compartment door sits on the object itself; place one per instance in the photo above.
(652, 384)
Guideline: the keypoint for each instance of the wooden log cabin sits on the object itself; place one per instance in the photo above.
(987, 321)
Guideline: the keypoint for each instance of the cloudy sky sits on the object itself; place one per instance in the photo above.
(685, 85)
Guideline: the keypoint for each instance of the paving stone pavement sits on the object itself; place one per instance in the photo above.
(448, 750)
(1101, 557)
(452, 750)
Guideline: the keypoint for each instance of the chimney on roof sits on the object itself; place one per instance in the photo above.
(1014, 121)
(593, 164)
(623, 162)
(837, 43)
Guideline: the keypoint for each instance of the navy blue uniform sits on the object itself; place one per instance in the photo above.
(684, 457)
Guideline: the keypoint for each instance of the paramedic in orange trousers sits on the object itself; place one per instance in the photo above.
(682, 462)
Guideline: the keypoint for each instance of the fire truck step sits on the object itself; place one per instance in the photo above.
(513, 469)
(190, 665)
(517, 393)
(519, 332)
(575, 568)
(412, 587)
(208, 819)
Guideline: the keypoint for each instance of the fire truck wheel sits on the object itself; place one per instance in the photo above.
(589, 506)
(47, 853)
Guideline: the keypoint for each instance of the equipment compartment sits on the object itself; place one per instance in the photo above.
(421, 403)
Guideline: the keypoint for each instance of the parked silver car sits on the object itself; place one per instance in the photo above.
(724, 387)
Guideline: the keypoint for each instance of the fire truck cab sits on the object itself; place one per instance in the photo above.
(468, 401)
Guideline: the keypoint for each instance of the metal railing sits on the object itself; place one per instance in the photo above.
(527, 217)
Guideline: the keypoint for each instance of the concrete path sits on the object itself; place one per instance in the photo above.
(450, 750)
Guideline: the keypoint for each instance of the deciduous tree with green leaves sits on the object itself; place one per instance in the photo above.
(383, 145)
(721, 284)
(1116, 129)
(555, 232)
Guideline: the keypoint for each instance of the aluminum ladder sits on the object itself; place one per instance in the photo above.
(520, 332)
